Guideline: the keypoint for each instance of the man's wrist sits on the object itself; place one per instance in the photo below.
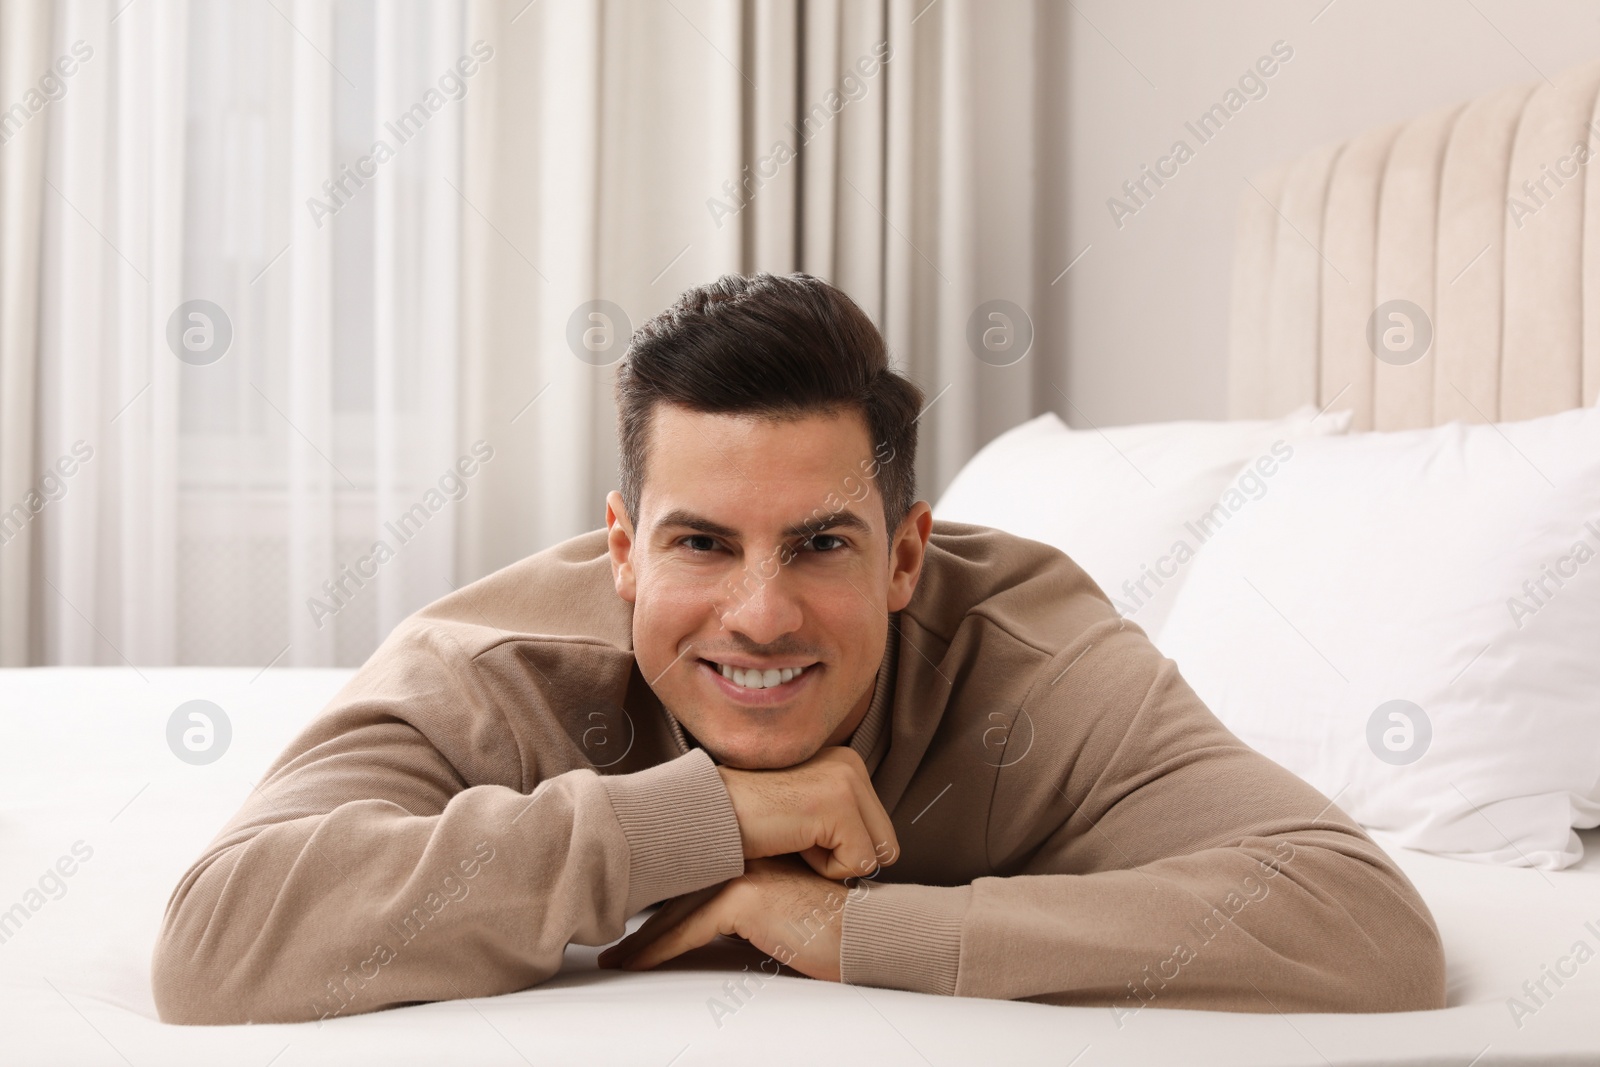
(682, 832)
(903, 936)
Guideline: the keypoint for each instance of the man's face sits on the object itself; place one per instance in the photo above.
(761, 545)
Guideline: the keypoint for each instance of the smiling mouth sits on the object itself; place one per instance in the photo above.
(756, 679)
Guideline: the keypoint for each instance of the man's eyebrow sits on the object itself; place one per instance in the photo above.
(842, 519)
(684, 517)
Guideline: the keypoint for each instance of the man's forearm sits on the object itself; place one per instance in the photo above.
(367, 906)
(1267, 927)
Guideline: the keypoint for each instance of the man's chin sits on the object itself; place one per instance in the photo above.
(764, 754)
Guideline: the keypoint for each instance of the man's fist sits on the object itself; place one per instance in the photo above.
(777, 905)
(824, 809)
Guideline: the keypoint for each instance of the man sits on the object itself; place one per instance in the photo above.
(776, 694)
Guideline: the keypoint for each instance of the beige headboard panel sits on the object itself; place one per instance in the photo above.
(1486, 216)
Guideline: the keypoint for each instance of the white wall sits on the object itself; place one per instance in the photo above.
(1147, 307)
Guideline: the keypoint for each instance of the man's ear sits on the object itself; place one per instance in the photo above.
(906, 554)
(619, 543)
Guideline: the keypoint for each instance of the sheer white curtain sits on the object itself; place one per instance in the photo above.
(25, 34)
(331, 178)
(623, 152)
(288, 501)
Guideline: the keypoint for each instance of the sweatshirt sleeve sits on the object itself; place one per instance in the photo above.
(391, 855)
(1146, 857)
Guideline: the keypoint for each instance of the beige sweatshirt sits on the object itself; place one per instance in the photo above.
(498, 781)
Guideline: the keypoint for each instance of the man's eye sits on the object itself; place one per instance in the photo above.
(710, 543)
(812, 541)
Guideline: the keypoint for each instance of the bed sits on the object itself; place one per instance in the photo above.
(87, 760)
(89, 782)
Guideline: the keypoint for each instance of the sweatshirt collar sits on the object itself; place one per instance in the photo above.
(870, 739)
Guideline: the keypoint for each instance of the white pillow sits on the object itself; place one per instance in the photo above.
(1121, 501)
(1454, 568)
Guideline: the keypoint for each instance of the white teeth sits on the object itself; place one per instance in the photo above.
(757, 679)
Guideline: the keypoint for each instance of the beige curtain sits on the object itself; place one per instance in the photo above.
(623, 152)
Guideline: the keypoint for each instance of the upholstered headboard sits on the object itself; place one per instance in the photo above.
(1485, 217)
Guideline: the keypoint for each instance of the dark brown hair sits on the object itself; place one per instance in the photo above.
(774, 346)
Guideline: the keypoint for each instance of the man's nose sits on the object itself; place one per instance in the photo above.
(762, 608)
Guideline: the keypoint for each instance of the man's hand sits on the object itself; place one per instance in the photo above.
(778, 905)
(824, 809)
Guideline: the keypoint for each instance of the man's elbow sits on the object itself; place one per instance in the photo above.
(192, 987)
(1408, 974)
(200, 970)
(1393, 958)
(180, 984)
(188, 982)
(1419, 982)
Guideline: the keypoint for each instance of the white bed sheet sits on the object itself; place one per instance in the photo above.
(85, 758)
